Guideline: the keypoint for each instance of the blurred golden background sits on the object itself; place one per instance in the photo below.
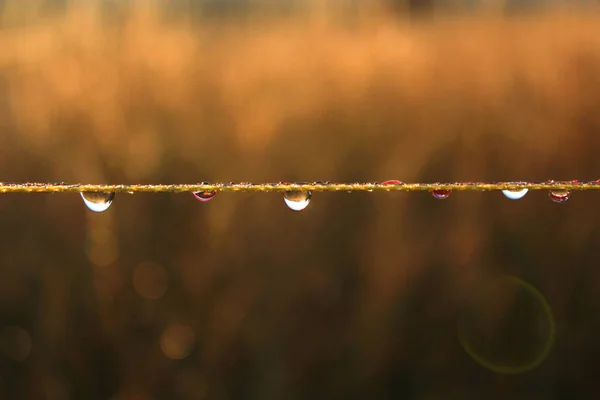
(362, 295)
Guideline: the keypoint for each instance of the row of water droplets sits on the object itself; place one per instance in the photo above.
(557, 196)
(298, 200)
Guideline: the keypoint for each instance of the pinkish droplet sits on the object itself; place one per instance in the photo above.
(559, 196)
(441, 193)
(206, 195)
(391, 182)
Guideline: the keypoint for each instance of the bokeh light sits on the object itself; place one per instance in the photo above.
(177, 341)
(15, 343)
(508, 326)
(150, 280)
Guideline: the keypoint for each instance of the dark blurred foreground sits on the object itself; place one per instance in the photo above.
(360, 295)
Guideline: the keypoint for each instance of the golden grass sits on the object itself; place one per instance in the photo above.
(136, 90)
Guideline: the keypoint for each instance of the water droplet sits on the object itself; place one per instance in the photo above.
(98, 201)
(559, 196)
(391, 182)
(206, 195)
(441, 193)
(515, 194)
(297, 200)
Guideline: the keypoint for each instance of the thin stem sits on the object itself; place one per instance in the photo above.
(283, 187)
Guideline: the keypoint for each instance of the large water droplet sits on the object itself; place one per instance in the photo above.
(441, 193)
(297, 200)
(559, 196)
(515, 194)
(98, 201)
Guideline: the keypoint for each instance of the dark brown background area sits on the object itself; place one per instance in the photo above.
(358, 296)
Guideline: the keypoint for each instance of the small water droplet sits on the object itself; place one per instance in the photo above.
(559, 196)
(391, 182)
(515, 194)
(297, 200)
(206, 195)
(441, 193)
(98, 201)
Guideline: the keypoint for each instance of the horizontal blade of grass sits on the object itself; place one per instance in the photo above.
(30, 187)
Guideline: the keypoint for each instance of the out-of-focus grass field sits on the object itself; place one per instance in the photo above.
(360, 295)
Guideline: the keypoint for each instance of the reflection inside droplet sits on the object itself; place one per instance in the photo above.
(559, 196)
(98, 201)
(297, 200)
(441, 193)
(515, 194)
(507, 327)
